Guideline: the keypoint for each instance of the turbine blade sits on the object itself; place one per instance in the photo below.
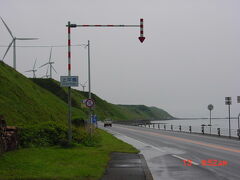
(50, 57)
(27, 38)
(34, 64)
(47, 71)
(54, 69)
(29, 71)
(44, 65)
(7, 27)
(7, 49)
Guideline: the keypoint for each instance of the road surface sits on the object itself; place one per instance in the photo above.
(176, 155)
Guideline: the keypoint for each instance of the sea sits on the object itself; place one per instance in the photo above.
(196, 125)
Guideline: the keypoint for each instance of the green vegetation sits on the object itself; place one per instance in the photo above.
(103, 108)
(30, 101)
(39, 108)
(79, 162)
(23, 102)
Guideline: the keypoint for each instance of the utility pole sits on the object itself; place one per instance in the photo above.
(89, 86)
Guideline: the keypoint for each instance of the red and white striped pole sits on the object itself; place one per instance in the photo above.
(69, 88)
(141, 38)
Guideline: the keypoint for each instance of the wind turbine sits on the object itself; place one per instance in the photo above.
(46, 75)
(50, 64)
(83, 85)
(33, 70)
(14, 44)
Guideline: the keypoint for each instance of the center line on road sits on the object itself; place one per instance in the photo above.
(186, 140)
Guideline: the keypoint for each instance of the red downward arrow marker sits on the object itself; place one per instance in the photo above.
(141, 39)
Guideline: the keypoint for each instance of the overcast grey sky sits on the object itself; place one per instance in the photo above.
(190, 57)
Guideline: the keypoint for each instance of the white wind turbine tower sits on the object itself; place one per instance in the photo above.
(46, 75)
(33, 70)
(50, 64)
(83, 85)
(14, 44)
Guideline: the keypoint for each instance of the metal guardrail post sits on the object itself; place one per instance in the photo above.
(180, 128)
(149, 125)
(153, 125)
(190, 129)
(164, 126)
(158, 126)
(202, 129)
(238, 133)
(218, 130)
(171, 127)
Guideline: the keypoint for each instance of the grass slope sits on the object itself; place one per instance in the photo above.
(103, 108)
(31, 101)
(24, 102)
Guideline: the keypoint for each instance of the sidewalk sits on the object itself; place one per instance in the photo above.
(127, 166)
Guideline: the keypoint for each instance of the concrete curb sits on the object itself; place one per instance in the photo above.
(146, 170)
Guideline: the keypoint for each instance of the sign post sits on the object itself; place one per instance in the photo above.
(238, 131)
(210, 108)
(68, 81)
(228, 101)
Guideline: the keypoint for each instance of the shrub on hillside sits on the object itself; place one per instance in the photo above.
(52, 133)
(45, 134)
(81, 135)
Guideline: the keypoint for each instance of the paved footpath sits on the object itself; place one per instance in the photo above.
(127, 166)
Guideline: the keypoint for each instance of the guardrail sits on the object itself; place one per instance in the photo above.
(203, 129)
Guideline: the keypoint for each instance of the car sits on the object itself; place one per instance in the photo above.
(107, 123)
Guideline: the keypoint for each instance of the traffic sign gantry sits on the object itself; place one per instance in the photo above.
(69, 26)
(141, 37)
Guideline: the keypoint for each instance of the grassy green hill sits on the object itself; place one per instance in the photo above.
(104, 109)
(24, 102)
(31, 101)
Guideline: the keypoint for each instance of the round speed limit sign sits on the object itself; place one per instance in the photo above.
(89, 103)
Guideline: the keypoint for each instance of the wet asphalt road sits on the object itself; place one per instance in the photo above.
(165, 153)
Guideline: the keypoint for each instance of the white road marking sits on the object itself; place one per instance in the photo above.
(176, 156)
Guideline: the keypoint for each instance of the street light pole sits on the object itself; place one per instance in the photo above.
(89, 85)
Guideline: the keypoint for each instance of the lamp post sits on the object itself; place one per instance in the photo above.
(210, 108)
(228, 101)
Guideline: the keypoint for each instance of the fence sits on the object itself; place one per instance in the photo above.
(208, 130)
(8, 137)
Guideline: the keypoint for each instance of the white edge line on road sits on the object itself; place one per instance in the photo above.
(176, 156)
(139, 141)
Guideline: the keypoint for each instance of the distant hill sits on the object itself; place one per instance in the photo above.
(30, 101)
(103, 108)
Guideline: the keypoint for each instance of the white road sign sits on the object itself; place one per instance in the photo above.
(69, 81)
(89, 103)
